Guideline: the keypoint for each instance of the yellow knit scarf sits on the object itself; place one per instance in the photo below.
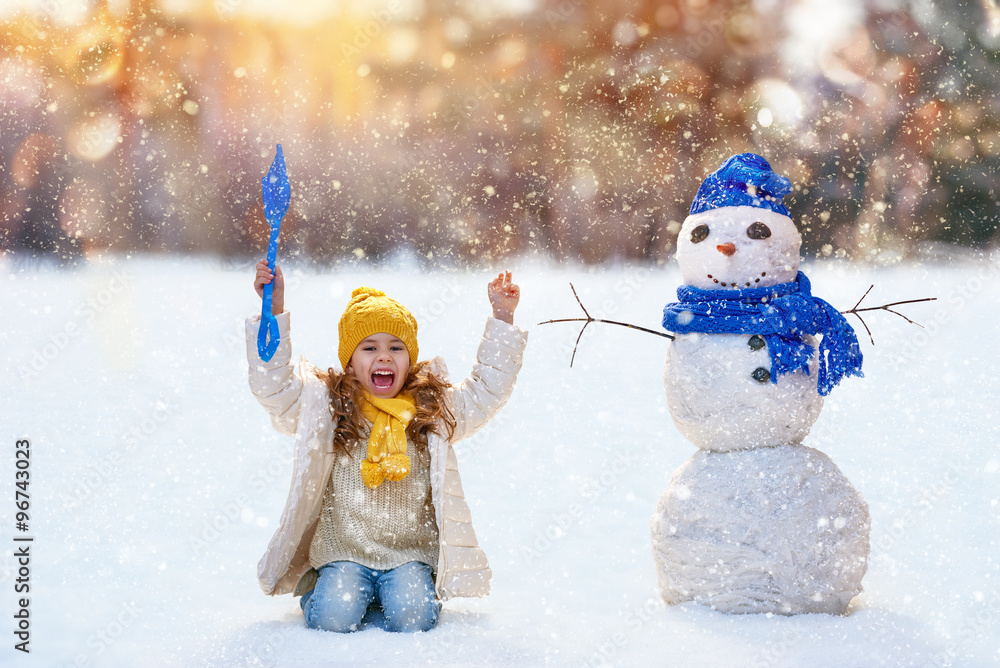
(387, 442)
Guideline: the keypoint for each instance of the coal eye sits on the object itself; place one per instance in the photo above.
(758, 230)
(699, 234)
(761, 375)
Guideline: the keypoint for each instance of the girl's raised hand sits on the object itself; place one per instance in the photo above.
(504, 297)
(263, 277)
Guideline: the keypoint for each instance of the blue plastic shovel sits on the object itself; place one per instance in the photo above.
(277, 195)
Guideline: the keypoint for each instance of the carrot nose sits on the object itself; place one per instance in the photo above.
(726, 249)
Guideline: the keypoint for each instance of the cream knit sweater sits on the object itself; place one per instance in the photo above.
(380, 528)
(298, 403)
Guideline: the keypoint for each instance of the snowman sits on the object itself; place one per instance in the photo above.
(755, 521)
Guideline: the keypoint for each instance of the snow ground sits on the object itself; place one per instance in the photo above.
(156, 479)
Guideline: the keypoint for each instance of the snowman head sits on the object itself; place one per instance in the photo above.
(739, 234)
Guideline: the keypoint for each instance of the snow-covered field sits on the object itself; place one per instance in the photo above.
(156, 479)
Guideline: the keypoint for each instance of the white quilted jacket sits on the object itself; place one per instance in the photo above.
(298, 404)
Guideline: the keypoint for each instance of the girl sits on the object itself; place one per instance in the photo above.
(376, 511)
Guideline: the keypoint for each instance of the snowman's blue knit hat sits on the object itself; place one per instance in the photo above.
(743, 180)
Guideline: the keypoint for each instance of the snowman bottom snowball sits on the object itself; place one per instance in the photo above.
(765, 530)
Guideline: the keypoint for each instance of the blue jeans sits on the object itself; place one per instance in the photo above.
(346, 589)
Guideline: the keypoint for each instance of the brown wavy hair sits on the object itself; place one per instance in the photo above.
(428, 390)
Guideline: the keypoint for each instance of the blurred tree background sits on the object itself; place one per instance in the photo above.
(465, 132)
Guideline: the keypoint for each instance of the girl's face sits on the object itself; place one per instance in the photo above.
(381, 363)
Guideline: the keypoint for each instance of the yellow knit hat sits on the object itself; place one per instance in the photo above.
(369, 312)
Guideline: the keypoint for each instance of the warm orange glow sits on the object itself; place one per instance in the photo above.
(95, 53)
(472, 131)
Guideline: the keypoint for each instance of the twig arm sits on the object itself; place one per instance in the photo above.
(589, 319)
(580, 302)
(862, 299)
(884, 307)
(610, 322)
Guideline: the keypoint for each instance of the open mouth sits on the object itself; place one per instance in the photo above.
(382, 379)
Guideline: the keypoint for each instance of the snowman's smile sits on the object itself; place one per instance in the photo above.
(734, 284)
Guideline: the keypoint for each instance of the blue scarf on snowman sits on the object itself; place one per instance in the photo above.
(782, 314)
